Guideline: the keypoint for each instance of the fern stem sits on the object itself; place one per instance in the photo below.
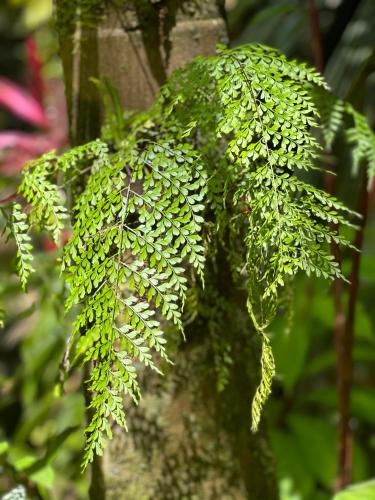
(123, 217)
(316, 38)
(345, 445)
(342, 333)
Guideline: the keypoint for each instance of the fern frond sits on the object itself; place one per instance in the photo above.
(359, 134)
(137, 221)
(362, 138)
(48, 208)
(331, 111)
(72, 163)
(18, 228)
(275, 62)
(263, 390)
(287, 230)
(262, 111)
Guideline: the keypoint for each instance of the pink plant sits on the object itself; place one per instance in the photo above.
(19, 102)
(42, 106)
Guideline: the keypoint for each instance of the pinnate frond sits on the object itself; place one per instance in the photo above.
(362, 138)
(263, 112)
(19, 228)
(48, 209)
(125, 263)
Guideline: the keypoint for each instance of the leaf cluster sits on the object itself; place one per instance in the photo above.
(224, 152)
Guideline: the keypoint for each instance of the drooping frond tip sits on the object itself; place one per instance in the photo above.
(268, 371)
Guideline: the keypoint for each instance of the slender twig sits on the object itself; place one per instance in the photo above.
(9, 198)
(316, 39)
(343, 326)
(345, 449)
(343, 352)
(344, 476)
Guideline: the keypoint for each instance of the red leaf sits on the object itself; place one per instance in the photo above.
(13, 139)
(19, 102)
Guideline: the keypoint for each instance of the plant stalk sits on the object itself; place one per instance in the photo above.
(343, 351)
(345, 443)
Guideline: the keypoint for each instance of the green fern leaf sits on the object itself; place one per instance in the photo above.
(18, 226)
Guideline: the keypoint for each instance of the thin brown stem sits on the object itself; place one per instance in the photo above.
(345, 367)
(345, 449)
(316, 39)
(10, 198)
(343, 350)
(318, 57)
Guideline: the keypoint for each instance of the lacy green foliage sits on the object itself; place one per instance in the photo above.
(334, 113)
(43, 195)
(263, 390)
(46, 204)
(222, 153)
(362, 138)
(18, 228)
(138, 218)
(260, 106)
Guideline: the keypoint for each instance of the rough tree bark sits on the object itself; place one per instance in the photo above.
(186, 440)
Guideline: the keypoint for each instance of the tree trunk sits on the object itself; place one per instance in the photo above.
(136, 44)
(186, 439)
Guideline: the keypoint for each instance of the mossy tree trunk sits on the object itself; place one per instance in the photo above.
(186, 439)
